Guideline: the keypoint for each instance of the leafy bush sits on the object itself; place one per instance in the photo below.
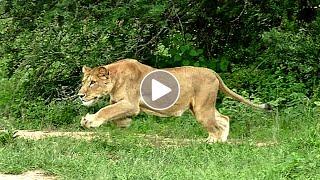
(287, 70)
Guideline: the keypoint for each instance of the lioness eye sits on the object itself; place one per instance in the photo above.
(92, 83)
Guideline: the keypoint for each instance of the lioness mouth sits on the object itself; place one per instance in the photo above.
(92, 99)
(89, 102)
(89, 99)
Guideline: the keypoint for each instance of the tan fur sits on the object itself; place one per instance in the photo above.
(121, 80)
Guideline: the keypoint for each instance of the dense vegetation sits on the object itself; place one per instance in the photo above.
(266, 50)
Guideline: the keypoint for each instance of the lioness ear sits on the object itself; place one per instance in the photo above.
(106, 73)
(103, 72)
(86, 69)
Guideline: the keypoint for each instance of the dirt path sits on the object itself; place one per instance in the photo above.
(152, 139)
(30, 175)
(36, 135)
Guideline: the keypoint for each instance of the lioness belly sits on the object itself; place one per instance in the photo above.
(172, 111)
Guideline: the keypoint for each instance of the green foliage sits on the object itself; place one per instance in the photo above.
(6, 137)
(293, 57)
(287, 70)
(48, 42)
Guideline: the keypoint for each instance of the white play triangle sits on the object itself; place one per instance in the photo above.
(158, 90)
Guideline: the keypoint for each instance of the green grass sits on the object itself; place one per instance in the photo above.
(126, 156)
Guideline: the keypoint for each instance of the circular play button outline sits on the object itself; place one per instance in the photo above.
(160, 84)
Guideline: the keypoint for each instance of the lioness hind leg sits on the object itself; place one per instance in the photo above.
(123, 123)
(208, 119)
(224, 123)
(203, 107)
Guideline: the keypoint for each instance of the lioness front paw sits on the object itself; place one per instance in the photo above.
(90, 121)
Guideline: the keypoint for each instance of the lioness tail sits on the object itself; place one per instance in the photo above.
(229, 92)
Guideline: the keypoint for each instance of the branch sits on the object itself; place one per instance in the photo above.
(244, 8)
(143, 46)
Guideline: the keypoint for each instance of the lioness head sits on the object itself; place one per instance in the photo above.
(96, 82)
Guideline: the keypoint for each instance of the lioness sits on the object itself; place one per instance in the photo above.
(121, 80)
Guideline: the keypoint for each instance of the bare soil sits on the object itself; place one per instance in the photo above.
(154, 140)
(36, 135)
(30, 175)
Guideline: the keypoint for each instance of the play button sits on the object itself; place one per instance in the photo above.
(159, 89)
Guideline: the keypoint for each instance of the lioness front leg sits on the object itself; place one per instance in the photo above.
(115, 111)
